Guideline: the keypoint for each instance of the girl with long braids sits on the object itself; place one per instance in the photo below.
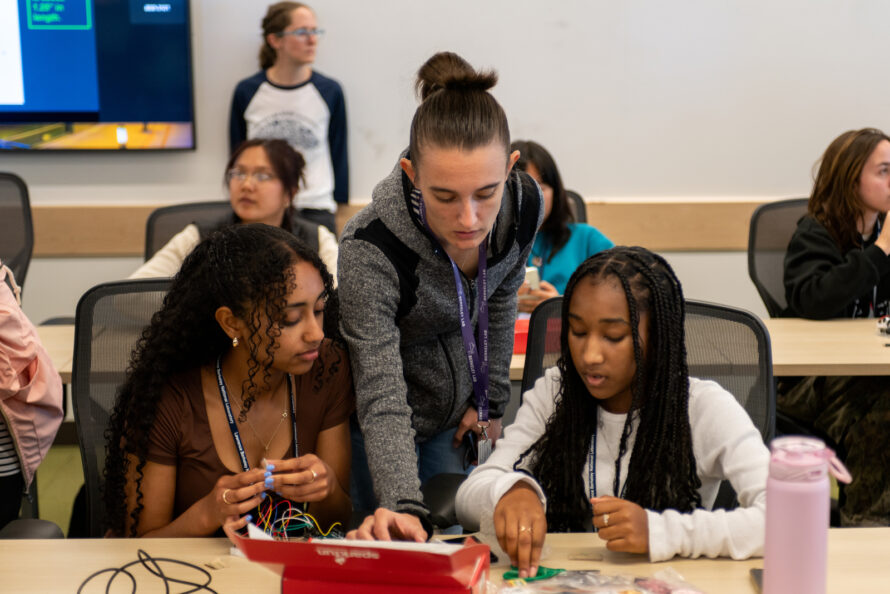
(618, 438)
(240, 336)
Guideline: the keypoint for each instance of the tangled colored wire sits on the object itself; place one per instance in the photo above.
(285, 520)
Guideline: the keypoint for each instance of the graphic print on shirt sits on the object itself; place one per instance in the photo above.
(290, 126)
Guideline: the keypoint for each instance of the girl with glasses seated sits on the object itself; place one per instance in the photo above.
(288, 99)
(262, 176)
(233, 392)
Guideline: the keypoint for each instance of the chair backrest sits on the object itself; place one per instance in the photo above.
(16, 226)
(165, 222)
(109, 321)
(732, 347)
(771, 228)
(577, 205)
(542, 348)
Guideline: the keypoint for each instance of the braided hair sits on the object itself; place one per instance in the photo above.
(248, 268)
(662, 470)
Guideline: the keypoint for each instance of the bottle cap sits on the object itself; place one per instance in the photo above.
(797, 458)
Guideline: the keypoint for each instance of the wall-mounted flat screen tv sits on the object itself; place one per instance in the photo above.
(95, 75)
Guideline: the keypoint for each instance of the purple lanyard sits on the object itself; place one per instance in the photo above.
(478, 363)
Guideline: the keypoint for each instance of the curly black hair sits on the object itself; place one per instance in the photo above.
(662, 471)
(248, 268)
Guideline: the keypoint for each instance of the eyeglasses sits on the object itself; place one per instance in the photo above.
(303, 32)
(240, 176)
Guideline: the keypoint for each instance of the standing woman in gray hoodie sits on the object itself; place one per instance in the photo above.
(428, 275)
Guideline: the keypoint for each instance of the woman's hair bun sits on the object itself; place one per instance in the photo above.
(447, 70)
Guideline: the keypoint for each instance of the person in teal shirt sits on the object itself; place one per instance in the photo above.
(561, 244)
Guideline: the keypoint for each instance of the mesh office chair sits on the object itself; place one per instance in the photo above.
(770, 231)
(577, 205)
(728, 345)
(110, 319)
(542, 349)
(732, 347)
(771, 228)
(16, 226)
(165, 222)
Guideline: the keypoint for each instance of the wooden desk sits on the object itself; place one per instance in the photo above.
(856, 563)
(62, 565)
(59, 343)
(811, 347)
(800, 347)
(829, 347)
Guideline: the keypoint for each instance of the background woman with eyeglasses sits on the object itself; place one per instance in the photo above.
(288, 99)
(262, 176)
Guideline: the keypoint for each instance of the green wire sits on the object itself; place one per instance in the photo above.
(543, 573)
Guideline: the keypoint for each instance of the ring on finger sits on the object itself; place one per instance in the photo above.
(524, 528)
(605, 519)
(226, 501)
(314, 475)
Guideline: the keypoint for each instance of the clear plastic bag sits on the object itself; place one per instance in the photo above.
(665, 581)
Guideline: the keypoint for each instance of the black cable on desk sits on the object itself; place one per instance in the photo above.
(152, 565)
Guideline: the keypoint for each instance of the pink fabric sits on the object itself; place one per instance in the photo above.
(30, 388)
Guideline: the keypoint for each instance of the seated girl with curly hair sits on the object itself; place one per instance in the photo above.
(233, 390)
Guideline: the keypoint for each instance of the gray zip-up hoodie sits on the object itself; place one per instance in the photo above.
(399, 316)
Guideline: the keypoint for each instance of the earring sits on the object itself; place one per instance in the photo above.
(235, 342)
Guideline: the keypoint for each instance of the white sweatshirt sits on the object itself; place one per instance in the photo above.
(725, 443)
(168, 260)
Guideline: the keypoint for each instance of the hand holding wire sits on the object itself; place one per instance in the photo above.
(307, 478)
(234, 495)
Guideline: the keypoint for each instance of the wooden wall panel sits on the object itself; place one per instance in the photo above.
(662, 225)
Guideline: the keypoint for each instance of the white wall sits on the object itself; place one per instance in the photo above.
(635, 98)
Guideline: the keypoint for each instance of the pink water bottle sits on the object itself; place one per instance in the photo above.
(797, 512)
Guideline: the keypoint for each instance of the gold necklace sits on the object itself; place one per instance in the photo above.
(274, 433)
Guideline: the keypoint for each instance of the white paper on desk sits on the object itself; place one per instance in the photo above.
(436, 548)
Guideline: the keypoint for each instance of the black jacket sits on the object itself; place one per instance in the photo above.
(822, 283)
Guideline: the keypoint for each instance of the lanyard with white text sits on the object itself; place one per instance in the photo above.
(477, 353)
(236, 435)
(591, 470)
